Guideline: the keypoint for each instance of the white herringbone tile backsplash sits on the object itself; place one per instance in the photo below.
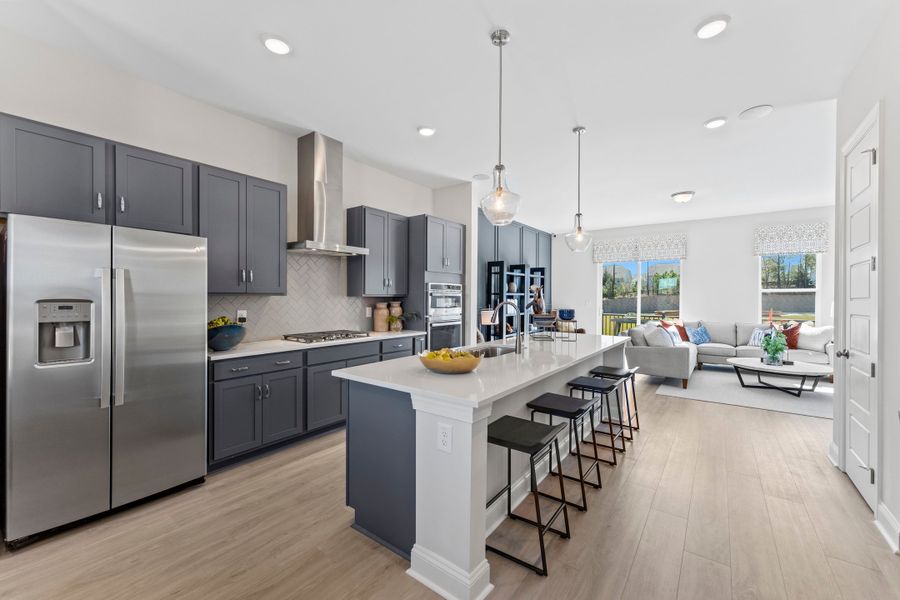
(316, 300)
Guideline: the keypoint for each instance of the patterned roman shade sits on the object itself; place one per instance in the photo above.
(651, 247)
(794, 238)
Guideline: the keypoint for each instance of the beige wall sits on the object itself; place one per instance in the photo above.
(877, 78)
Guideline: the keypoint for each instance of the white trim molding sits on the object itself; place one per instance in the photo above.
(889, 526)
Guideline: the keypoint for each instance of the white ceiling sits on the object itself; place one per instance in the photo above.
(632, 72)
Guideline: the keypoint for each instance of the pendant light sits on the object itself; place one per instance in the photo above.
(501, 204)
(578, 240)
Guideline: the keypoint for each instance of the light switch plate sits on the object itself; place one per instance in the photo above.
(368, 312)
(241, 316)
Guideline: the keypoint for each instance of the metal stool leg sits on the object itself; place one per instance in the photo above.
(637, 419)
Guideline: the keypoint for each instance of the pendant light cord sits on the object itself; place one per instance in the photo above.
(500, 112)
(579, 172)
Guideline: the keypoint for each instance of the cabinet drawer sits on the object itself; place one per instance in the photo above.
(255, 365)
(342, 352)
(396, 345)
(393, 355)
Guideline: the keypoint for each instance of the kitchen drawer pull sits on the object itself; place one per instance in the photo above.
(239, 369)
(398, 345)
(282, 362)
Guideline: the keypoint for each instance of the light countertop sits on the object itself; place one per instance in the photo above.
(493, 379)
(245, 349)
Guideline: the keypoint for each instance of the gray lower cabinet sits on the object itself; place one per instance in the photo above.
(154, 191)
(324, 400)
(237, 416)
(52, 172)
(419, 344)
(384, 271)
(282, 405)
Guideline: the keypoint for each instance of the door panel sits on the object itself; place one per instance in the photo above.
(282, 405)
(237, 416)
(266, 237)
(376, 228)
(454, 248)
(434, 244)
(51, 172)
(154, 191)
(530, 247)
(398, 254)
(860, 228)
(159, 423)
(509, 244)
(860, 282)
(324, 404)
(545, 256)
(223, 221)
(57, 424)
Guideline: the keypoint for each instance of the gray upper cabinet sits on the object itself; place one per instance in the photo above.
(434, 239)
(245, 222)
(444, 243)
(384, 271)
(509, 244)
(530, 246)
(51, 172)
(545, 259)
(266, 237)
(454, 248)
(282, 405)
(154, 191)
(223, 221)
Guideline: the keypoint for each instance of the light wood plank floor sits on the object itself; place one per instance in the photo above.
(710, 501)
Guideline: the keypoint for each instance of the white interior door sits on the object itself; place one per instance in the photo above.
(860, 325)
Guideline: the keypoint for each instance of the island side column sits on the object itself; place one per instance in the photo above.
(449, 553)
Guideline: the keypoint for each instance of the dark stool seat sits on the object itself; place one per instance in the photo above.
(634, 422)
(536, 440)
(592, 384)
(574, 410)
(604, 387)
(613, 372)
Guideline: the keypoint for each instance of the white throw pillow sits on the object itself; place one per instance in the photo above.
(659, 338)
(814, 338)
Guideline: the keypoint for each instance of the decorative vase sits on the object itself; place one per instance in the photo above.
(379, 316)
(511, 287)
(397, 311)
(775, 360)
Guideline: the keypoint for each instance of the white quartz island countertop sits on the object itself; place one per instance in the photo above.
(495, 377)
(245, 349)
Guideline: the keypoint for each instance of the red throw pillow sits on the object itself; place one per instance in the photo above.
(679, 326)
(792, 333)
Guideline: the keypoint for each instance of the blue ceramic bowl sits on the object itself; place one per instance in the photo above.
(566, 314)
(225, 337)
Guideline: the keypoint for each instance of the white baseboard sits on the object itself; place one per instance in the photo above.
(834, 455)
(448, 580)
(889, 526)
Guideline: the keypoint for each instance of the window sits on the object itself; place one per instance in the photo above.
(650, 288)
(788, 287)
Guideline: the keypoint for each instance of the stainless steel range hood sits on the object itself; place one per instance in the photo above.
(320, 198)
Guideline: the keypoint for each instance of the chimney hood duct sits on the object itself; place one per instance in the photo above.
(320, 201)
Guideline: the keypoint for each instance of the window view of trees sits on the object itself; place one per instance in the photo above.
(788, 287)
(638, 292)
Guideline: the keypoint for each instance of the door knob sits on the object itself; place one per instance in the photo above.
(842, 354)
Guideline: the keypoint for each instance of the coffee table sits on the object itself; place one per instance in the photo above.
(804, 372)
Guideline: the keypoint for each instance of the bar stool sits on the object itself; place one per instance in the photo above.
(634, 421)
(604, 388)
(575, 410)
(535, 440)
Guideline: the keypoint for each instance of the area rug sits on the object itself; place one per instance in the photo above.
(720, 384)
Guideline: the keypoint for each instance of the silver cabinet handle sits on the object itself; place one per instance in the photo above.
(243, 275)
(122, 203)
(119, 307)
(258, 392)
(282, 362)
(99, 200)
(105, 283)
(398, 345)
(384, 282)
(239, 369)
(268, 391)
(251, 275)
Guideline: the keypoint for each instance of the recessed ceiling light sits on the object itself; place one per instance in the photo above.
(682, 197)
(426, 131)
(480, 177)
(276, 45)
(712, 26)
(716, 122)
(757, 112)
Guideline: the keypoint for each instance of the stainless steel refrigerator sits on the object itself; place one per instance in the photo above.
(105, 368)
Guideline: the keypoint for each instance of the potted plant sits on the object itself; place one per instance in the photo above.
(395, 322)
(774, 344)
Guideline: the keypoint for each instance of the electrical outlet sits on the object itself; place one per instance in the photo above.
(368, 312)
(241, 316)
(445, 438)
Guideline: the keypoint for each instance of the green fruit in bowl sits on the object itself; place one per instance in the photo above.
(219, 322)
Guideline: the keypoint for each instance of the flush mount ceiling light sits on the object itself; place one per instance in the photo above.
(757, 112)
(276, 45)
(715, 122)
(501, 204)
(712, 26)
(578, 240)
(682, 197)
(426, 131)
(480, 177)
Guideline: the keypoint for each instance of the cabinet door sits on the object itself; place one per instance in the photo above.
(545, 242)
(434, 244)
(454, 248)
(376, 231)
(266, 237)
(237, 416)
(324, 400)
(398, 255)
(51, 172)
(154, 191)
(419, 345)
(282, 405)
(509, 244)
(223, 221)
(530, 247)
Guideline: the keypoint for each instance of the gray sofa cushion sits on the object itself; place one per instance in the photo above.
(715, 349)
(748, 351)
(637, 336)
(657, 337)
(720, 332)
(744, 331)
(678, 362)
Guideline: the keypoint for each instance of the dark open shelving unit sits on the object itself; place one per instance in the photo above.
(499, 276)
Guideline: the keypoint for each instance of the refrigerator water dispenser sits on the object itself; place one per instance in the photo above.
(64, 331)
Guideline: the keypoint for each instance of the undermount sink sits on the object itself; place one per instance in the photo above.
(492, 351)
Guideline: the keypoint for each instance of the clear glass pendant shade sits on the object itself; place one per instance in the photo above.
(578, 240)
(500, 205)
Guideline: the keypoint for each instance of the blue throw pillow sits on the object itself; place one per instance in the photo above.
(758, 334)
(699, 335)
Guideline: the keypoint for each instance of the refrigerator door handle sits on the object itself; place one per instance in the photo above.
(119, 393)
(105, 282)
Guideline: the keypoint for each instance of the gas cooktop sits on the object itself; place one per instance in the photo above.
(311, 337)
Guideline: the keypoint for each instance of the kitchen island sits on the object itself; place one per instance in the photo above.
(419, 467)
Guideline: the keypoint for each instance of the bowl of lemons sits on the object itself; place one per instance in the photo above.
(224, 334)
(450, 362)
